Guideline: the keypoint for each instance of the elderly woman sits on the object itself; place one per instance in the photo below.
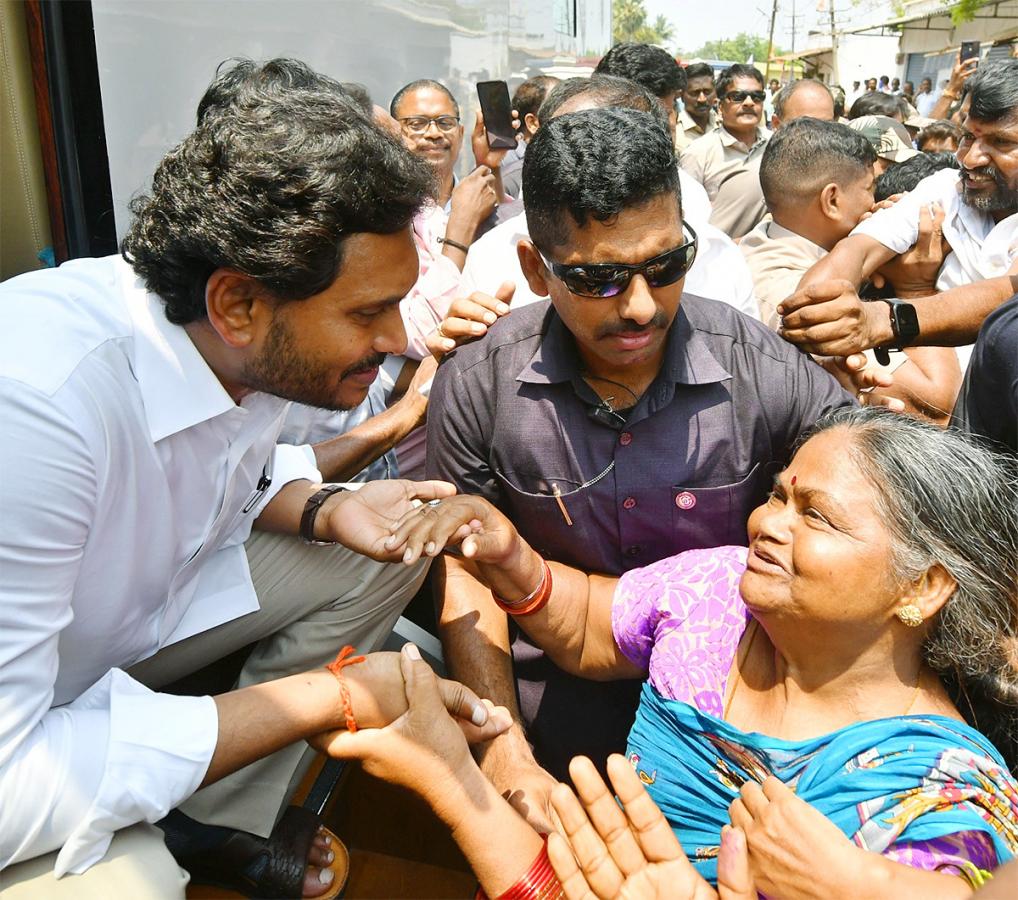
(844, 691)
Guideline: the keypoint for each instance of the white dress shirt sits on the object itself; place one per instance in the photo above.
(129, 481)
(718, 273)
(980, 247)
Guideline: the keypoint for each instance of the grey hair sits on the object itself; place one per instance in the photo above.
(792, 88)
(947, 499)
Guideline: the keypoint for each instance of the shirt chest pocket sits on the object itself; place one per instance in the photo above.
(559, 517)
(717, 516)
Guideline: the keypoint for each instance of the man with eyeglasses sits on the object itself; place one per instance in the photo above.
(713, 157)
(617, 423)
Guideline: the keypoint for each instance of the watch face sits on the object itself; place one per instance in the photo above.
(906, 322)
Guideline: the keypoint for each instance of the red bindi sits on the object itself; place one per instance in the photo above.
(794, 478)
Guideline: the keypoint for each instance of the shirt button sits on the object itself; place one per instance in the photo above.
(685, 500)
(628, 503)
(633, 551)
(625, 439)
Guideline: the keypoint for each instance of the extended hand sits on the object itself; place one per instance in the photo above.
(468, 318)
(483, 532)
(483, 154)
(914, 273)
(857, 375)
(829, 319)
(472, 201)
(362, 520)
(424, 746)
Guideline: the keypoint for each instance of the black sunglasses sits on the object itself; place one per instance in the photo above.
(602, 280)
(740, 96)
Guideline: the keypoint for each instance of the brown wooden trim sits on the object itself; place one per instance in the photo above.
(47, 141)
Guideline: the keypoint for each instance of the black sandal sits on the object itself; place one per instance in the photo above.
(255, 866)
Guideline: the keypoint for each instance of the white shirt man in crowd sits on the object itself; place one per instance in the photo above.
(142, 397)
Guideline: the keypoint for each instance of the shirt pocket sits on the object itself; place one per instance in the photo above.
(717, 516)
(564, 527)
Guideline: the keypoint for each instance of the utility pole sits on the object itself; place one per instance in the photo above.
(794, 23)
(770, 42)
(835, 76)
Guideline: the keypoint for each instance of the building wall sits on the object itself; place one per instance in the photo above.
(156, 59)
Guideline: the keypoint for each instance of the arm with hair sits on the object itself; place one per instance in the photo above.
(927, 383)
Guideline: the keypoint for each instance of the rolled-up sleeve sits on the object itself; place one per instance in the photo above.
(117, 754)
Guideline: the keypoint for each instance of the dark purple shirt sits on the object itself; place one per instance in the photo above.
(511, 419)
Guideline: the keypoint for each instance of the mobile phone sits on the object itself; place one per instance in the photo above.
(498, 114)
(970, 50)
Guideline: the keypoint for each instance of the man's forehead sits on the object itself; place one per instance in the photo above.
(1005, 125)
(425, 100)
(700, 83)
(745, 83)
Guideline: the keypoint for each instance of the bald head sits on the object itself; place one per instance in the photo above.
(804, 97)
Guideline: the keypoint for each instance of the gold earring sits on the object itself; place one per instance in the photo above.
(910, 615)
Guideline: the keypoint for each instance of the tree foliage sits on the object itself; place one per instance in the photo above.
(630, 23)
(737, 49)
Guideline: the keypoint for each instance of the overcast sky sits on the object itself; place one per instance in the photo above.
(698, 21)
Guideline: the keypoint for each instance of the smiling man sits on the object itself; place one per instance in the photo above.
(142, 396)
(715, 156)
(980, 204)
(617, 423)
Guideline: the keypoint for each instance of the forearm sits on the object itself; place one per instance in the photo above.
(461, 229)
(853, 259)
(886, 879)
(943, 105)
(342, 457)
(263, 718)
(953, 318)
(282, 514)
(499, 845)
(927, 383)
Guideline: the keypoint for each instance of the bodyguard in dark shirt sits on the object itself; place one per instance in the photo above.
(618, 424)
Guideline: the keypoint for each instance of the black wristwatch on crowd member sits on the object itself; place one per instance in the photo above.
(904, 324)
(307, 519)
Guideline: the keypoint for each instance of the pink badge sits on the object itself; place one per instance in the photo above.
(685, 500)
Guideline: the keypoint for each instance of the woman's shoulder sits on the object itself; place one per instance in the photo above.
(713, 571)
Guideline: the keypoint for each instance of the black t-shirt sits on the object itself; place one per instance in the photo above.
(988, 402)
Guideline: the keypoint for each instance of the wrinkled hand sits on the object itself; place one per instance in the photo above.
(484, 534)
(468, 319)
(473, 199)
(829, 319)
(362, 520)
(914, 273)
(528, 789)
(483, 154)
(795, 852)
(424, 748)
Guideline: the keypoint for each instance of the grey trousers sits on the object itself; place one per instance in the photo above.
(313, 601)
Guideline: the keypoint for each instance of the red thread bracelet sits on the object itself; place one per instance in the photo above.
(532, 604)
(336, 667)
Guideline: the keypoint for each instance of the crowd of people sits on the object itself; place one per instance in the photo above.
(696, 413)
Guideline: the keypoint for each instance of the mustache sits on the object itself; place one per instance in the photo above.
(369, 362)
(991, 171)
(627, 326)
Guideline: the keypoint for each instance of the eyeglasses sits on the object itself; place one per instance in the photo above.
(740, 96)
(420, 124)
(603, 280)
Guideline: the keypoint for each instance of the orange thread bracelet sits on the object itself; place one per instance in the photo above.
(336, 667)
(531, 604)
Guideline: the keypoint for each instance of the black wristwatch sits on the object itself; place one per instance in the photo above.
(314, 503)
(904, 324)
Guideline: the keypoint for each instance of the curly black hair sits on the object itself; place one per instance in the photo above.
(281, 168)
(649, 66)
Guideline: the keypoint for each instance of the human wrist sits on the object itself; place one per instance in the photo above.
(501, 758)
(323, 524)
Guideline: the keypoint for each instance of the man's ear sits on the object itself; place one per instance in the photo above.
(533, 267)
(775, 122)
(236, 307)
(531, 123)
(830, 201)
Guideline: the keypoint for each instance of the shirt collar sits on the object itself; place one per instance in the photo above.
(688, 123)
(688, 359)
(776, 231)
(730, 140)
(177, 386)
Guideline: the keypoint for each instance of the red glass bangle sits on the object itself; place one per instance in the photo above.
(532, 604)
(336, 667)
(538, 883)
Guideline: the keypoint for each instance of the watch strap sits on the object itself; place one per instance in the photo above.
(311, 507)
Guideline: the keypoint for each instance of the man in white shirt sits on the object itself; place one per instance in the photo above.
(980, 205)
(718, 272)
(142, 397)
